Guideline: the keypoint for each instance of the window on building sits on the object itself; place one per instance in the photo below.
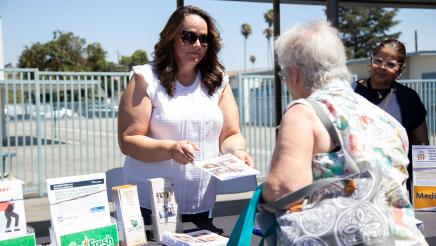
(431, 75)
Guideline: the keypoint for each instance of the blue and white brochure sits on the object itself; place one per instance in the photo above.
(78, 203)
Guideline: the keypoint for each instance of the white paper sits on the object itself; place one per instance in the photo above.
(12, 210)
(203, 237)
(78, 203)
(226, 167)
(424, 165)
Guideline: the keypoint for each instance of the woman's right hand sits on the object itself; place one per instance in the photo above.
(183, 151)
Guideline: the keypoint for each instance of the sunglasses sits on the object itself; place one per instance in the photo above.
(379, 62)
(190, 38)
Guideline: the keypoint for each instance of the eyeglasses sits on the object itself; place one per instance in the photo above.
(190, 38)
(379, 62)
(281, 74)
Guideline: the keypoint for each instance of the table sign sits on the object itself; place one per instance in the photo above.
(78, 203)
(12, 213)
(424, 177)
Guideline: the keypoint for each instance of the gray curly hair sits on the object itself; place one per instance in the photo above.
(316, 50)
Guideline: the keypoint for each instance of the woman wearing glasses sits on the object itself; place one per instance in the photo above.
(178, 109)
(403, 103)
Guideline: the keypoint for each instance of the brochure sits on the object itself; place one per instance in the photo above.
(12, 213)
(129, 218)
(226, 167)
(424, 177)
(164, 207)
(78, 203)
(203, 237)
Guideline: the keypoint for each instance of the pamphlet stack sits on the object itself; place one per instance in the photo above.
(164, 208)
(129, 218)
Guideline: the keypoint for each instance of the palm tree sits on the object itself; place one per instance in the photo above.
(253, 60)
(269, 19)
(269, 56)
(245, 31)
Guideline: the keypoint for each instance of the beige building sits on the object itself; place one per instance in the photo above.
(420, 65)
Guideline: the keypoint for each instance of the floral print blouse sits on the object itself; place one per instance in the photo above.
(372, 138)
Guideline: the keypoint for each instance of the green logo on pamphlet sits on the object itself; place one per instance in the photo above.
(134, 223)
(27, 240)
(104, 236)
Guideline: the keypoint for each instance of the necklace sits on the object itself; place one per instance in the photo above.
(380, 96)
(379, 93)
(388, 97)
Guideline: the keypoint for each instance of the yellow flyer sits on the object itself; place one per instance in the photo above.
(424, 177)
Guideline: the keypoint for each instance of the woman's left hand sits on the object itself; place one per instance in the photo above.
(244, 156)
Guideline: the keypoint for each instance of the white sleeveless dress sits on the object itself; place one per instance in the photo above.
(190, 115)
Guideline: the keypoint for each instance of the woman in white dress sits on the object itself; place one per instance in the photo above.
(177, 109)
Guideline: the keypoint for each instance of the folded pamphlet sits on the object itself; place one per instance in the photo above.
(226, 167)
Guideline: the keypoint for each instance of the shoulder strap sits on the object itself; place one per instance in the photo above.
(309, 189)
(334, 135)
(301, 193)
(326, 122)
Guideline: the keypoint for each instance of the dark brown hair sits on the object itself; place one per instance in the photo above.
(394, 44)
(210, 67)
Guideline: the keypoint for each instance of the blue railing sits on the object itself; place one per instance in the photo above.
(64, 123)
(255, 98)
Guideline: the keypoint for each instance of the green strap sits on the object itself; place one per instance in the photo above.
(242, 232)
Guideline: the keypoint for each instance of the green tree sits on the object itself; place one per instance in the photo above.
(269, 17)
(138, 57)
(268, 32)
(34, 56)
(362, 28)
(96, 59)
(252, 60)
(245, 31)
(65, 52)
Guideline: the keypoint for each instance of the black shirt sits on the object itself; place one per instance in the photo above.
(413, 112)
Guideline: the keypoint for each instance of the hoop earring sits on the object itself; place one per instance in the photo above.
(398, 77)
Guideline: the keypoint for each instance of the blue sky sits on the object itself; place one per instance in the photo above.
(125, 26)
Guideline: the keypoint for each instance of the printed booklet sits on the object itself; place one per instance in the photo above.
(203, 237)
(164, 208)
(129, 218)
(226, 167)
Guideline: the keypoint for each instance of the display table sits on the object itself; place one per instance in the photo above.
(226, 223)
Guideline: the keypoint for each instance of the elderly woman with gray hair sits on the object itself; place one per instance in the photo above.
(312, 59)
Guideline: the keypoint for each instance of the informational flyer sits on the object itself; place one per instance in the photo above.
(12, 213)
(164, 207)
(226, 167)
(128, 213)
(202, 237)
(78, 203)
(424, 177)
